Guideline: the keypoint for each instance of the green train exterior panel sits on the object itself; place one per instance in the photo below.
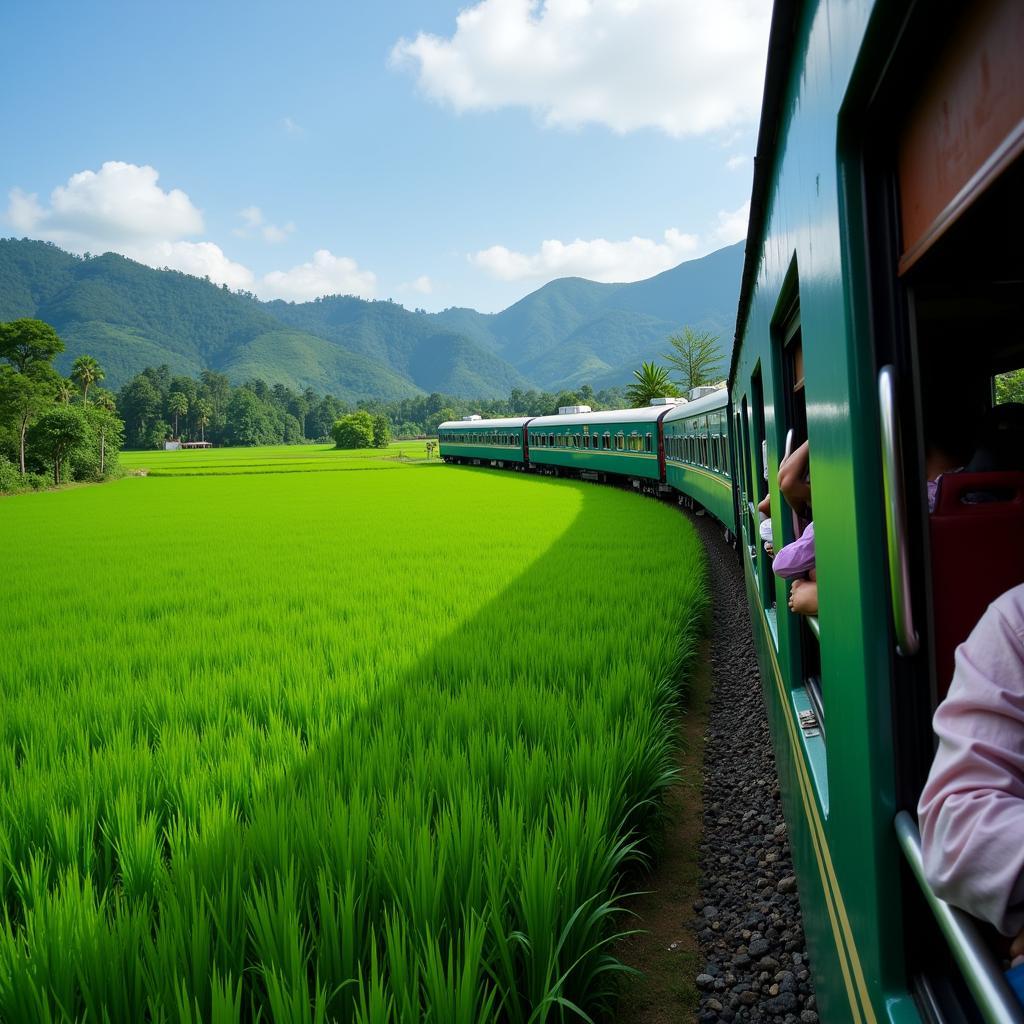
(623, 443)
(838, 785)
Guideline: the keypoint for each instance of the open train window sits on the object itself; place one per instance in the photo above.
(759, 488)
(788, 337)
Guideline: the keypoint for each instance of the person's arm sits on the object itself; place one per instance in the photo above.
(793, 478)
(972, 807)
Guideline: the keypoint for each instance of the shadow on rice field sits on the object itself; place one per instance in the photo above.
(449, 843)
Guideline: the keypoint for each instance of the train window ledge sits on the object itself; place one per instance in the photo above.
(813, 742)
(772, 618)
(979, 967)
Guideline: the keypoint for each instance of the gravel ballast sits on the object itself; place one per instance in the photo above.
(747, 919)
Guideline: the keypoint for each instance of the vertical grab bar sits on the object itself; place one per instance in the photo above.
(907, 641)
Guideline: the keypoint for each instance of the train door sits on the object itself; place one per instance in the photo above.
(937, 183)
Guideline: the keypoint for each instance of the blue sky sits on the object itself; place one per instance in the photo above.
(389, 150)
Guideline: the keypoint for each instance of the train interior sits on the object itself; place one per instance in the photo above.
(950, 320)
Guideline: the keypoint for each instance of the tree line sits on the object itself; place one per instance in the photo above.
(52, 428)
(156, 405)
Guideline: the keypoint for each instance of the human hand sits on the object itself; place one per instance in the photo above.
(803, 597)
(1017, 950)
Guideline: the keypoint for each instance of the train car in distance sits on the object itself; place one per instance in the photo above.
(620, 442)
(479, 441)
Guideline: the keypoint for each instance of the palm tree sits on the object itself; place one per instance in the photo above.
(202, 411)
(86, 371)
(651, 382)
(64, 392)
(177, 405)
(105, 400)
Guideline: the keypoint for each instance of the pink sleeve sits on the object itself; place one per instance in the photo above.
(797, 558)
(972, 807)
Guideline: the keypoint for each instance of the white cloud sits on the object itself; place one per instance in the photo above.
(291, 128)
(682, 66)
(732, 224)
(256, 224)
(734, 163)
(203, 259)
(596, 259)
(118, 204)
(121, 208)
(326, 274)
(423, 285)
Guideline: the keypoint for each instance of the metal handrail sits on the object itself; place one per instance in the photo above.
(981, 972)
(812, 624)
(907, 641)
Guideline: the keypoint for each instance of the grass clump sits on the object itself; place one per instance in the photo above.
(354, 747)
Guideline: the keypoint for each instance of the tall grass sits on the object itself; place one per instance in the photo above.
(349, 747)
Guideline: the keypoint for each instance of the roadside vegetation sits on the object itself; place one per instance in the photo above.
(354, 746)
(53, 431)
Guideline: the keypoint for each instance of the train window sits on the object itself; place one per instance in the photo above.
(647, 442)
(788, 339)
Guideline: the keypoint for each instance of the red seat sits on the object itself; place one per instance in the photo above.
(977, 551)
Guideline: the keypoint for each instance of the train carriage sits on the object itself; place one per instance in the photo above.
(881, 297)
(476, 440)
(622, 442)
(697, 454)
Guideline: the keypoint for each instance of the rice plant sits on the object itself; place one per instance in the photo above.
(354, 747)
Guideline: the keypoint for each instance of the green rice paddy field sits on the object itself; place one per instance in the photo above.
(330, 746)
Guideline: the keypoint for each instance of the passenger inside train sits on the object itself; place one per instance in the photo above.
(971, 579)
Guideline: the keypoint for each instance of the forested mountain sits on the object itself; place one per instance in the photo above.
(569, 332)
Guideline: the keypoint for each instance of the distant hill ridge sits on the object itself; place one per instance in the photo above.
(569, 332)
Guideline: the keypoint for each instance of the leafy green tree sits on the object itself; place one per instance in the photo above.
(247, 420)
(57, 434)
(22, 399)
(29, 345)
(696, 357)
(1010, 387)
(108, 431)
(651, 382)
(354, 431)
(177, 405)
(381, 431)
(86, 371)
(139, 403)
(64, 391)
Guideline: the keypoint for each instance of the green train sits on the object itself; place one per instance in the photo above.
(882, 295)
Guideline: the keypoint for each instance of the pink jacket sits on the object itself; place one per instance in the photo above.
(972, 807)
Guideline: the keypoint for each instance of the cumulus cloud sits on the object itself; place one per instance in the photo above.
(122, 208)
(291, 128)
(732, 224)
(685, 67)
(423, 285)
(734, 163)
(256, 224)
(325, 274)
(597, 259)
(120, 203)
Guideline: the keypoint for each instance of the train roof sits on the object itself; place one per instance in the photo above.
(718, 400)
(510, 422)
(781, 44)
(645, 414)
